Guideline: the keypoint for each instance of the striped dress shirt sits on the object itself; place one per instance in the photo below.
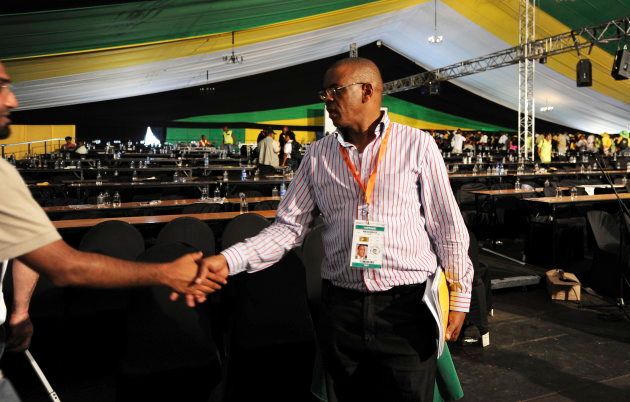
(412, 197)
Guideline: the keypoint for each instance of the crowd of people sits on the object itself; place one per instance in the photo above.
(458, 142)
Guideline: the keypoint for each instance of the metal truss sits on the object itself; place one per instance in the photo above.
(610, 31)
(526, 74)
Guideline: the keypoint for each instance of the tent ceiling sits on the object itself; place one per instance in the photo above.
(471, 28)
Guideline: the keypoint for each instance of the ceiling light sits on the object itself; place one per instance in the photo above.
(436, 38)
(233, 58)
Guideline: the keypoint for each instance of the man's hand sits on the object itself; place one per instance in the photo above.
(211, 273)
(20, 332)
(455, 323)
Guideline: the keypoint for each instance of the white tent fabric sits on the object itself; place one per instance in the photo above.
(404, 31)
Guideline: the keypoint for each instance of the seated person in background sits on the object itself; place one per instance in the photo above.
(203, 142)
(69, 145)
(81, 149)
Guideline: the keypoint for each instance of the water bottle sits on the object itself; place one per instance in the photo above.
(475, 170)
(217, 194)
(175, 176)
(274, 192)
(624, 181)
(628, 167)
(535, 167)
(594, 165)
(116, 173)
(134, 175)
(78, 164)
(107, 199)
(489, 171)
(496, 169)
(140, 165)
(581, 168)
(558, 192)
(147, 162)
(283, 190)
(243, 175)
(179, 161)
(547, 184)
(204, 193)
(573, 193)
(99, 178)
(244, 206)
(132, 164)
(100, 200)
(225, 175)
(98, 164)
(57, 164)
(116, 201)
(257, 175)
(517, 184)
(206, 161)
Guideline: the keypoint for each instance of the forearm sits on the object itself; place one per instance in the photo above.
(66, 266)
(24, 282)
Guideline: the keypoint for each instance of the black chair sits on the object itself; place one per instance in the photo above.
(608, 265)
(189, 231)
(94, 317)
(116, 239)
(169, 354)
(242, 227)
(271, 331)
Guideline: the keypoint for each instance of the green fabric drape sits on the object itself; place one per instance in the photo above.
(59, 31)
(578, 14)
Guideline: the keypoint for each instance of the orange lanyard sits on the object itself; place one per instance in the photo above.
(369, 188)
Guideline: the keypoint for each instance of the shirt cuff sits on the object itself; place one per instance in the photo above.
(459, 302)
(236, 262)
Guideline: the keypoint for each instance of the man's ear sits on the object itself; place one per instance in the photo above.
(368, 92)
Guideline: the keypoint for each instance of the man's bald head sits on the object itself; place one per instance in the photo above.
(361, 70)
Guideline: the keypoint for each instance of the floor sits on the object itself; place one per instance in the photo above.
(540, 350)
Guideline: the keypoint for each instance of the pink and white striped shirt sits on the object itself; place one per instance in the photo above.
(412, 196)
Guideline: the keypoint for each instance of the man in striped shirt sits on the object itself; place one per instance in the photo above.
(378, 339)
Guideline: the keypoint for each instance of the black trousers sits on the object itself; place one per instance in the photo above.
(378, 346)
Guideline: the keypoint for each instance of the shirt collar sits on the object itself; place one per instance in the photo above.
(380, 129)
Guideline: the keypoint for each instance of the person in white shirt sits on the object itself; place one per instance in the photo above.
(457, 142)
(503, 141)
(288, 148)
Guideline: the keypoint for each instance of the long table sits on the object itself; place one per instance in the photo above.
(156, 219)
(154, 204)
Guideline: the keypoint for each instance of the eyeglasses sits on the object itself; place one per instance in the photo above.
(333, 92)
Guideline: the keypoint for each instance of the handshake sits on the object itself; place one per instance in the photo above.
(194, 276)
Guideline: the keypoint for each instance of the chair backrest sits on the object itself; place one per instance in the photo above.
(115, 239)
(270, 307)
(189, 231)
(463, 193)
(605, 230)
(242, 227)
(163, 335)
(312, 257)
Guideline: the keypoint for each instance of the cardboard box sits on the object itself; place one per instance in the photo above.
(563, 285)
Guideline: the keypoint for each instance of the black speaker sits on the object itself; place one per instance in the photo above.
(584, 69)
(620, 69)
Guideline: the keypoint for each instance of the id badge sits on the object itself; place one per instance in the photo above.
(367, 245)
